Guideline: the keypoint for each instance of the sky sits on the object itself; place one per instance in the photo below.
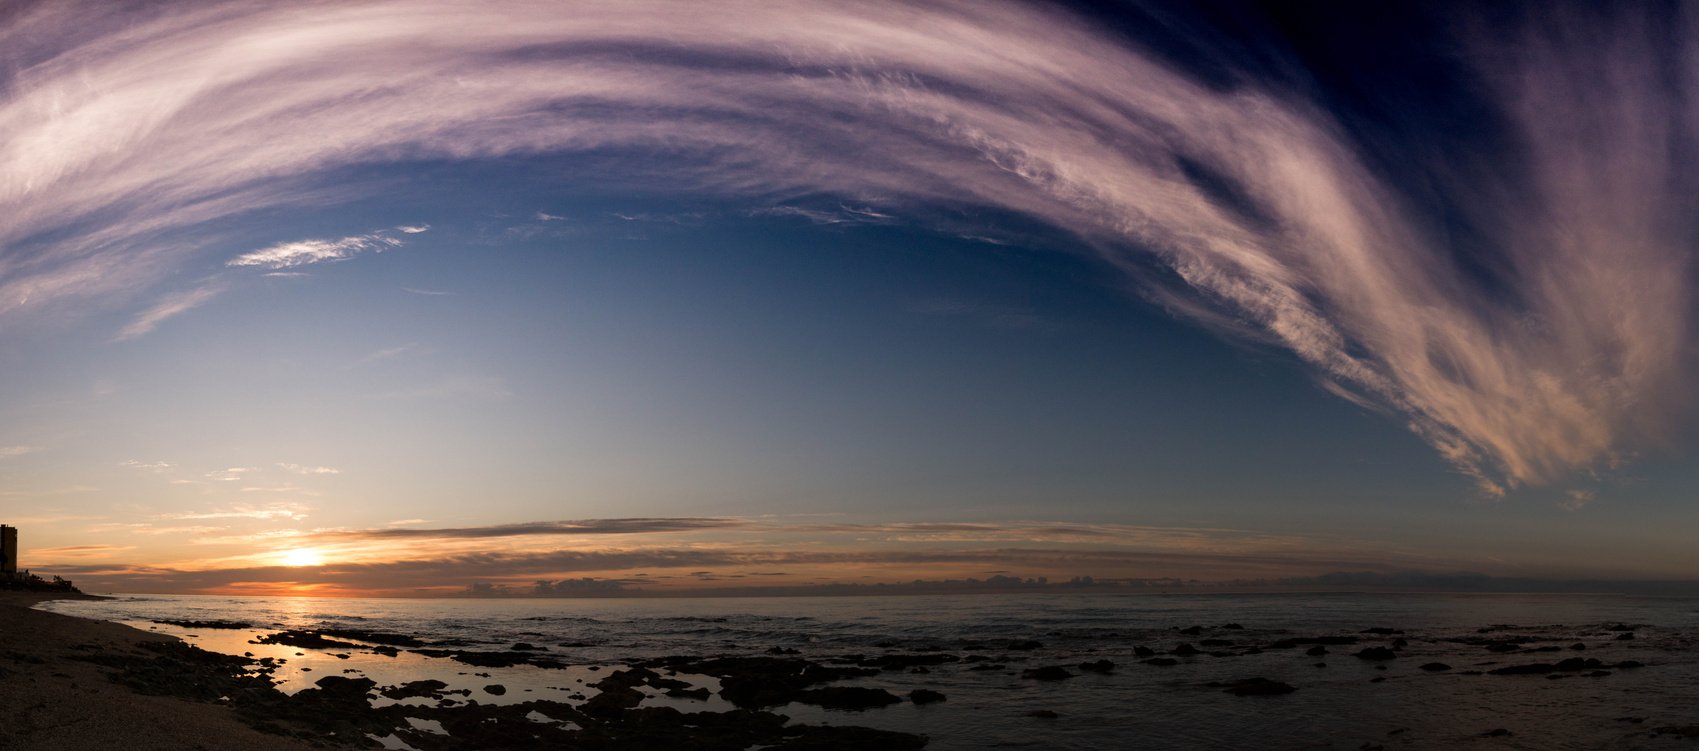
(418, 297)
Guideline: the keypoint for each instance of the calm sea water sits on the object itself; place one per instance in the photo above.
(1338, 704)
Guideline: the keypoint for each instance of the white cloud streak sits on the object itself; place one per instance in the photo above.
(303, 252)
(169, 306)
(132, 125)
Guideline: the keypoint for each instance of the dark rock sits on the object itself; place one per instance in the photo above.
(1578, 646)
(1378, 679)
(1626, 664)
(923, 696)
(1436, 667)
(414, 688)
(1162, 662)
(1399, 644)
(1101, 666)
(525, 647)
(1043, 714)
(1381, 631)
(1629, 636)
(1497, 733)
(215, 624)
(1024, 646)
(1216, 643)
(1316, 651)
(1047, 673)
(1192, 630)
(1143, 652)
(854, 698)
(304, 640)
(699, 694)
(1184, 650)
(1538, 668)
(495, 689)
(1376, 653)
(1232, 626)
(1256, 687)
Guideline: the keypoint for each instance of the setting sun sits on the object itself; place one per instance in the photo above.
(303, 557)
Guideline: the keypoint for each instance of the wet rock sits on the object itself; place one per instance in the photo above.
(1192, 630)
(1381, 631)
(1497, 733)
(699, 694)
(1255, 687)
(495, 689)
(1104, 667)
(1578, 646)
(922, 697)
(375, 637)
(1143, 652)
(343, 688)
(1047, 673)
(304, 640)
(1399, 644)
(1436, 667)
(1162, 662)
(525, 647)
(1629, 636)
(212, 624)
(854, 698)
(1538, 668)
(1376, 653)
(1184, 650)
(414, 689)
(1216, 643)
(1627, 664)
(783, 651)
(1043, 714)
(1232, 626)
(1316, 651)
(1024, 646)
(1378, 679)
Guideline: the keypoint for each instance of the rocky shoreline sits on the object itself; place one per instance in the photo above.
(340, 686)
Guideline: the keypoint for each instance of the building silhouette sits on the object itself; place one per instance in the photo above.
(8, 549)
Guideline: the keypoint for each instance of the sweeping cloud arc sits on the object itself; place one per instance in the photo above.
(125, 129)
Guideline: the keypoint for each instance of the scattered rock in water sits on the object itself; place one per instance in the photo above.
(1162, 662)
(1232, 626)
(1192, 630)
(1184, 650)
(1143, 652)
(1043, 714)
(1497, 733)
(1216, 642)
(304, 640)
(1629, 636)
(1255, 687)
(1047, 673)
(495, 689)
(1316, 651)
(525, 647)
(1578, 646)
(1104, 667)
(1436, 667)
(413, 689)
(1024, 646)
(215, 624)
(922, 697)
(1627, 664)
(855, 698)
(1381, 631)
(1378, 679)
(1376, 653)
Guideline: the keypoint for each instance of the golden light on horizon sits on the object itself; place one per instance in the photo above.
(303, 557)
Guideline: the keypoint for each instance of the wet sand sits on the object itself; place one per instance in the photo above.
(52, 696)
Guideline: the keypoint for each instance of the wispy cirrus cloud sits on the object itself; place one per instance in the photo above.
(167, 307)
(1247, 207)
(304, 252)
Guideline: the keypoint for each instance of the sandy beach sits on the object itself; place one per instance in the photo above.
(52, 696)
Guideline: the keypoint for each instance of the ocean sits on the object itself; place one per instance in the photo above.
(982, 646)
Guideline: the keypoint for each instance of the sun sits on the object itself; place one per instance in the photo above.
(303, 557)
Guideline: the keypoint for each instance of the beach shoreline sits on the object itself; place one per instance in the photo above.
(56, 691)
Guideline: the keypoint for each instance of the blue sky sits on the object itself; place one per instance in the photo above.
(1231, 288)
